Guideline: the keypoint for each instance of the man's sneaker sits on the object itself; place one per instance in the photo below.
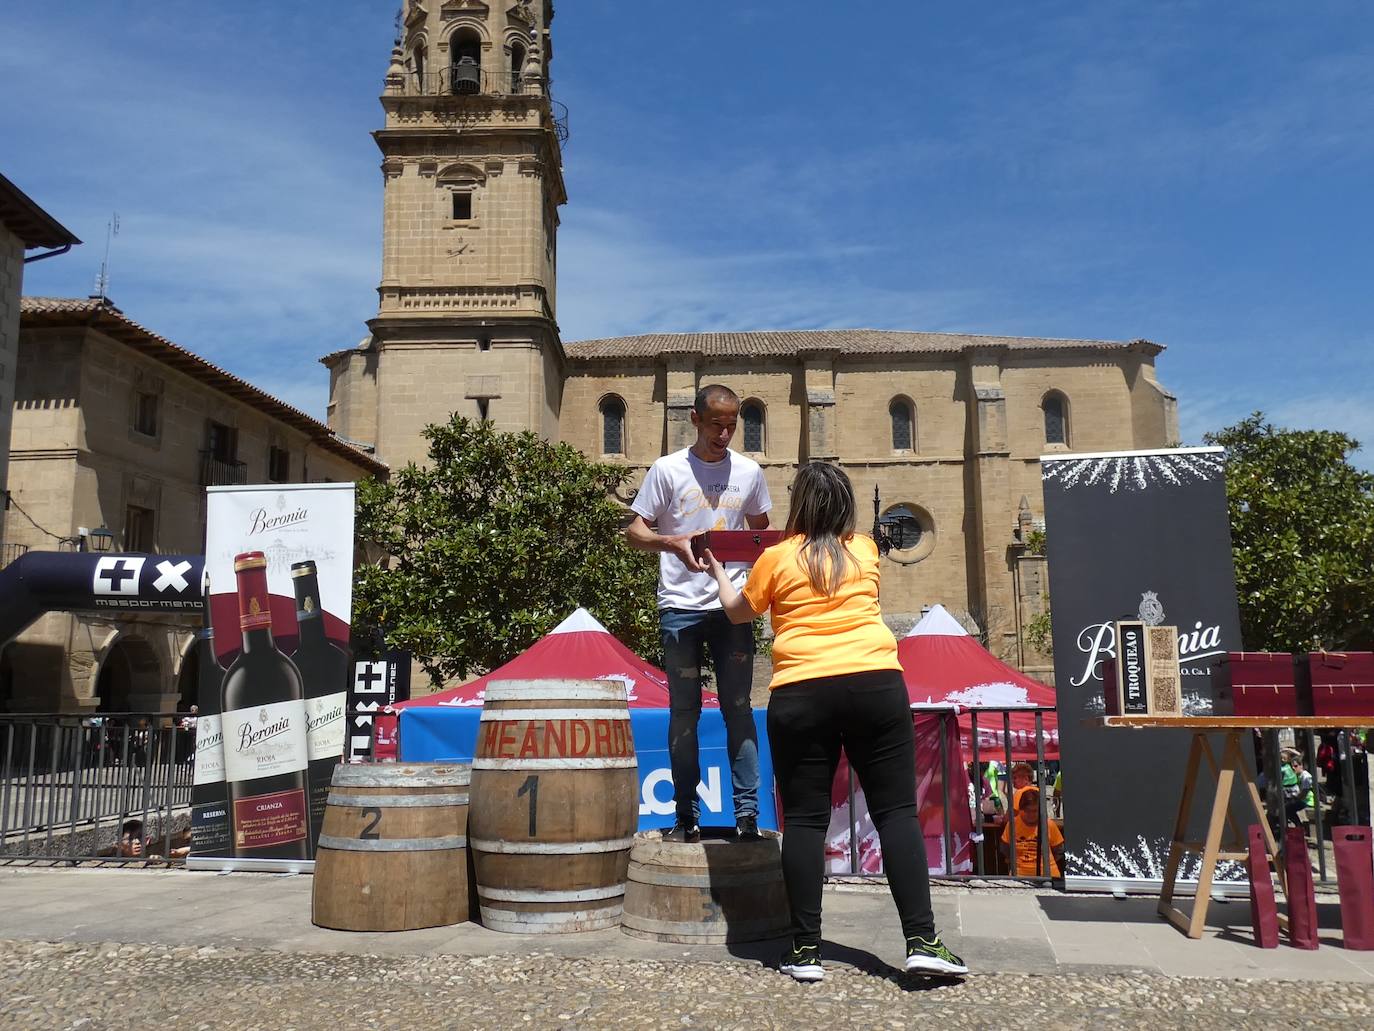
(747, 829)
(684, 832)
(803, 962)
(931, 957)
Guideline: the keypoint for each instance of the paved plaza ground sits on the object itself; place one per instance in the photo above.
(107, 948)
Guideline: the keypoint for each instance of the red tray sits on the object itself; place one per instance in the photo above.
(735, 545)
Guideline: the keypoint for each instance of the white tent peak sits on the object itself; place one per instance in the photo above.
(937, 623)
(580, 622)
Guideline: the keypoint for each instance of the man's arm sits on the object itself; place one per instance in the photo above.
(757, 522)
(642, 537)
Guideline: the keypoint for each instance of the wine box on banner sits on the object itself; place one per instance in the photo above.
(1143, 678)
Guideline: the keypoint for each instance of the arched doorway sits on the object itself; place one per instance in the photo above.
(130, 678)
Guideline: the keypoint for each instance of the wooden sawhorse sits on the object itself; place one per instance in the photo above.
(1231, 768)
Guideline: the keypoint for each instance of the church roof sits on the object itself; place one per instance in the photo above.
(99, 313)
(790, 343)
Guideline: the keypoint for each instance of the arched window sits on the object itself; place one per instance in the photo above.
(612, 426)
(517, 67)
(418, 60)
(466, 70)
(751, 414)
(1056, 418)
(903, 416)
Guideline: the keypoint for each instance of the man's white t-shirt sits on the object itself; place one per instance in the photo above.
(683, 494)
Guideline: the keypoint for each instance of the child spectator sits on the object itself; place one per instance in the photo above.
(1027, 821)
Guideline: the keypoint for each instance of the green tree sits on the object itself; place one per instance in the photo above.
(492, 545)
(1302, 530)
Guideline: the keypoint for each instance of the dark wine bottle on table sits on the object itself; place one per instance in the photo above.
(324, 670)
(265, 750)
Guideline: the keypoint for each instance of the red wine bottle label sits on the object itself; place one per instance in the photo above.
(209, 750)
(325, 725)
(265, 740)
(261, 821)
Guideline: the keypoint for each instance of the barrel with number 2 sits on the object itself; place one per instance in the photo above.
(392, 854)
(555, 803)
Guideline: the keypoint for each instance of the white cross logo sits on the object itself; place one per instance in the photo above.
(117, 575)
(172, 576)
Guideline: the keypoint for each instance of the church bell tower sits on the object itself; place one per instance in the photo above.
(472, 183)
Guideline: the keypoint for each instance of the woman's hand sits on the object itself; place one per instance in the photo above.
(736, 608)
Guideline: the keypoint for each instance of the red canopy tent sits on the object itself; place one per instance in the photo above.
(579, 648)
(944, 666)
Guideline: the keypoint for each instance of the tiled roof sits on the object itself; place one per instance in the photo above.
(788, 343)
(102, 315)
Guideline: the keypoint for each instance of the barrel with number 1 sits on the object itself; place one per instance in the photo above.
(555, 803)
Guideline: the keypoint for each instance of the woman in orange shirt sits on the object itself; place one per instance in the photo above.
(836, 685)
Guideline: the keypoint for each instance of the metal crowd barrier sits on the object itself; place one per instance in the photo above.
(955, 787)
(968, 780)
(69, 784)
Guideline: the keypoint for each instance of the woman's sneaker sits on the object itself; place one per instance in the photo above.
(803, 962)
(931, 957)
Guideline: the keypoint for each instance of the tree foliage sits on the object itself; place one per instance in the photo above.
(492, 544)
(1302, 530)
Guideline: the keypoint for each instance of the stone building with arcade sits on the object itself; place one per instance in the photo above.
(948, 428)
(117, 432)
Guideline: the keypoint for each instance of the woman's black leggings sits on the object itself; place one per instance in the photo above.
(869, 716)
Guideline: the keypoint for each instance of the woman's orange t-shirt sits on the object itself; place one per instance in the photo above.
(815, 635)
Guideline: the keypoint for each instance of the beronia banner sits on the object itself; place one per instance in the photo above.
(275, 672)
(1142, 535)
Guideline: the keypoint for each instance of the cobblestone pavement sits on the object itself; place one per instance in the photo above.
(95, 987)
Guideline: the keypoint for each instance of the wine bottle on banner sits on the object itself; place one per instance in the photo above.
(265, 750)
(209, 806)
(324, 669)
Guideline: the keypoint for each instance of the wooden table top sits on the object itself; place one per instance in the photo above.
(1232, 722)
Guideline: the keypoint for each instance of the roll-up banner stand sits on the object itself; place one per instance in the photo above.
(275, 672)
(1139, 535)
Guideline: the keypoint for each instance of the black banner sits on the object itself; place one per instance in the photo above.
(1139, 536)
(376, 684)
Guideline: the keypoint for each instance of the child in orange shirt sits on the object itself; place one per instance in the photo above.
(1028, 837)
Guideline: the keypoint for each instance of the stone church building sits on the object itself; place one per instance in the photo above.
(949, 428)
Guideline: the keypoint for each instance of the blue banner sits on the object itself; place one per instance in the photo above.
(447, 733)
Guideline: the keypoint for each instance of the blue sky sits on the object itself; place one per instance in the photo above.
(1195, 173)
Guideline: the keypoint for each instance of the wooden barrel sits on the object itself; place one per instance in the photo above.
(555, 802)
(715, 891)
(393, 850)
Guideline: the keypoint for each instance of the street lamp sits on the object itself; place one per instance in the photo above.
(101, 539)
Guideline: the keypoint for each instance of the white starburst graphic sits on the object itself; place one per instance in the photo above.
(1136, 472)
(1144, 861)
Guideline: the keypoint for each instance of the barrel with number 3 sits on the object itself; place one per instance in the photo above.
(555, 803)
(392, 854)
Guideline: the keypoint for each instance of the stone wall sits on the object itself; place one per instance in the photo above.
(11, 287)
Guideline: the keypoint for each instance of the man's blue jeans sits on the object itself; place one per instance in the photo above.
(686, 634)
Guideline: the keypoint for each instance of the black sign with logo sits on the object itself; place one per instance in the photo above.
(376, 684)
(1139, 536)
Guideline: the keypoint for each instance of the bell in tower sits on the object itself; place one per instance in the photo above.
(472, 179)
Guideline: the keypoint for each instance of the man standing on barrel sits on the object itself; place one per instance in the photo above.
(704, 487)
